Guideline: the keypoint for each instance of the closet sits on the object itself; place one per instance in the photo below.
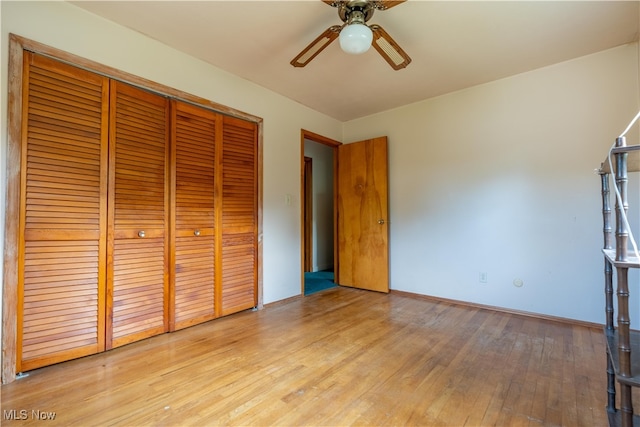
(138, 214)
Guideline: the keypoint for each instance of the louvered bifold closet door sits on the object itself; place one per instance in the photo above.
(193, 206)
(239, 215)
(137, 271)
(63, 213)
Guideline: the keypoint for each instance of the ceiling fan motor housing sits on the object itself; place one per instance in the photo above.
(355, 11)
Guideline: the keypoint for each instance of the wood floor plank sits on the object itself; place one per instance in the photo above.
(339, 357)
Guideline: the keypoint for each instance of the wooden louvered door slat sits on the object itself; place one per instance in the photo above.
(63, 213)
(239, 215)
(137, 251)
(193, 180)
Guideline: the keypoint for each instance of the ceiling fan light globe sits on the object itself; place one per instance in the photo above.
(355, 39)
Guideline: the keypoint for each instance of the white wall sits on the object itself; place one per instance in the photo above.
(66, 27)
(322, 156)
(499, 178)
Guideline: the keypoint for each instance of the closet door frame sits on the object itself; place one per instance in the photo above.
(17, 45)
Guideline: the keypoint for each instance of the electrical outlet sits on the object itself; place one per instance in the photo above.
(483, 277)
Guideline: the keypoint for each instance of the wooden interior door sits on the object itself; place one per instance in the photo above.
(137, 256)
(63, 213)
(363, 230)
(194, 134)
(239, 243)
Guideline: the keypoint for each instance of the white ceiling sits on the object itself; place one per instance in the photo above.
(453, 44)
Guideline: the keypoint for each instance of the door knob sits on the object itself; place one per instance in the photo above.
(196, 233)
(141, 233)
(381, 221)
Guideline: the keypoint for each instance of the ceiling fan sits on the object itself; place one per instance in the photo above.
(355, 35)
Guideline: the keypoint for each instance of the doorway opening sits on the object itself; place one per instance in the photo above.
(318, 196)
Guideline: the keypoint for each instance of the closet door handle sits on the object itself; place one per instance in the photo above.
(381, 221)
(196, 233)
(141, 233)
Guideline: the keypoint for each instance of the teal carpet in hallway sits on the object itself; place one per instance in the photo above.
(318, 281)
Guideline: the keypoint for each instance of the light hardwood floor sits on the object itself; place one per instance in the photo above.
(339, 357)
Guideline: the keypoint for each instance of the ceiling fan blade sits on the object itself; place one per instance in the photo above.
(388, 48)
(316, 46)
(387, 4)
